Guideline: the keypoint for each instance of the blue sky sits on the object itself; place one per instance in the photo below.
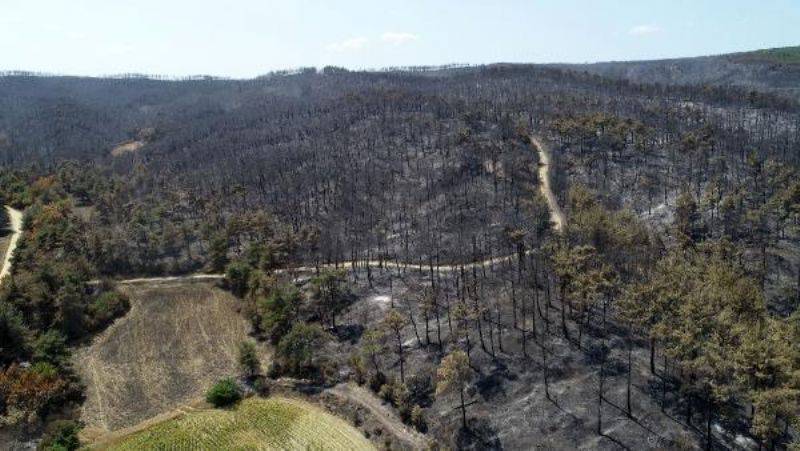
(244, 38)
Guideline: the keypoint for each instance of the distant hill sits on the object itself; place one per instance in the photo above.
(776, 70)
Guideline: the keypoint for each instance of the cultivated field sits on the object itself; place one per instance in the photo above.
(177, 339)
(256, 423)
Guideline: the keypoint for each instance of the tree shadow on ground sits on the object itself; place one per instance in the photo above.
(479, 435)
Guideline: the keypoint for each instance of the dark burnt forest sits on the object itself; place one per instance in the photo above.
(665, 306)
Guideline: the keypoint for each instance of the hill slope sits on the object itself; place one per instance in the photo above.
(776, 70)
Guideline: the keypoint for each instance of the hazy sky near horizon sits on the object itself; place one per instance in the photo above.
(245, 38)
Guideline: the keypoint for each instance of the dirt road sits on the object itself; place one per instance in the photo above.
(556, 215)
(15, 217)
(384, 415)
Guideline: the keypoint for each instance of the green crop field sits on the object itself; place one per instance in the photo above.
(255, 424)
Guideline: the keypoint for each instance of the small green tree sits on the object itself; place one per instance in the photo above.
(51, 347)
(299, 349)
(394, 323)
(687, 220)
(218, 252)
(453, 375)
(249, 363)
(330, 292)
(237, 275)
(372, 347)
(357, 365)
(278, 311)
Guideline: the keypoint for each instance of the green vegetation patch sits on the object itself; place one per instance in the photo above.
(783, 55)
(254, 424)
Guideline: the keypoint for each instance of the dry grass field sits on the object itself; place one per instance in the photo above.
(177, 339)
(256, 423)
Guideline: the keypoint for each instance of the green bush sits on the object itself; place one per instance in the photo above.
(51, 347)
(300, 351)
(45, 369)
(249, 363)
(105, 308)
(224, 393)
(237, 274)
(61, 435)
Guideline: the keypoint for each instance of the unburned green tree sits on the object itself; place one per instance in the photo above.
(299, 351)
(393, 323)
(452, 376)
(249, 362)
(278, 311)
(330, 291)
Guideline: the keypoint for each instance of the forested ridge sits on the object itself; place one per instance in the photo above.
(679, 253)
(774, 70)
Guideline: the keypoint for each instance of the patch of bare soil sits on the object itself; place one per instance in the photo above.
(174, 343)
(126, 147)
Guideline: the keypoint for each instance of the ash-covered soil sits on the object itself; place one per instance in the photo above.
(508, 407)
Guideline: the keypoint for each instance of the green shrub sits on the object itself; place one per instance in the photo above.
(51, 347)
(249, 364)
(61, 435)
(45, 369)
(224, 393)
(105, 308)
(300, 351)
(237, 275)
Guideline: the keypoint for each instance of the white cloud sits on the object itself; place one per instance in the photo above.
(399, 38)
(347, 45)
(644, 30)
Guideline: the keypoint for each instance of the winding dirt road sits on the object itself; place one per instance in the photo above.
(15, 217)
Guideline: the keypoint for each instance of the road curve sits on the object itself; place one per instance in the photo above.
(15, 218)
(556, 216)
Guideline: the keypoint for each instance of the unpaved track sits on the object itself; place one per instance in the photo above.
(556, 216)
(387, 418)
(15, 217)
